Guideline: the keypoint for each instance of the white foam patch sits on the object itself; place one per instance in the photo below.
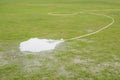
(38, 45)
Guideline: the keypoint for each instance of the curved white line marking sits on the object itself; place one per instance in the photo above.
(57, 14)
(89, 34)
(104, 10)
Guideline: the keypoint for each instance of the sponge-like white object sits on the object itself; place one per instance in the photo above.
(38, 45)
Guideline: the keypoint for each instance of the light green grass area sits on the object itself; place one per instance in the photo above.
(96, 57)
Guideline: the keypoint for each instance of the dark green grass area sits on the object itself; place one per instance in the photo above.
(96, 57)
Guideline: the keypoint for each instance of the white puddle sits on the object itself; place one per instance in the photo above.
(38, 45)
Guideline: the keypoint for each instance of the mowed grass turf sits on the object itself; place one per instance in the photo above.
(96, 57)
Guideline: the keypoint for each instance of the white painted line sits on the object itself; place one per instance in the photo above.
(89, 34)
(95, 32)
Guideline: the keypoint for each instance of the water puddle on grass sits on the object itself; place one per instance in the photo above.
(38, 45)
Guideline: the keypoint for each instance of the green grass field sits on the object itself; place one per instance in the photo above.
(96, 57)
